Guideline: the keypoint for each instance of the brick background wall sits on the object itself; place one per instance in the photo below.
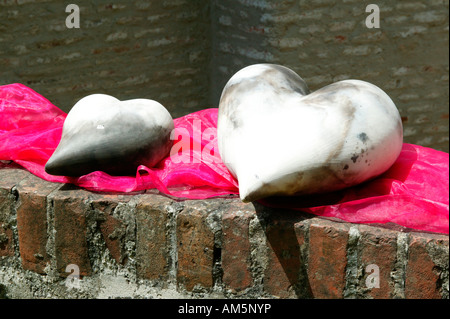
(149, 49)
(327, 40)
(181, 53)
(150, 246)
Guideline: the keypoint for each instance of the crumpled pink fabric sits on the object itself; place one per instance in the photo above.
(413, 193)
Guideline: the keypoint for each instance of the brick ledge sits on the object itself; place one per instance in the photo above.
(149, 246)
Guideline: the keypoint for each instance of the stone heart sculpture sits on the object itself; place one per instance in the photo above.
(277, 138)
(103, 133)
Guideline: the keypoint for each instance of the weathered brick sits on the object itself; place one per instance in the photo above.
(236, 246)
(342, 26)
(422, 276)
(195, 244)
(214, 233)
(377, 246)
(70, 207)
(10, 176)
(152, 240)
(438, 250)
(327, 258)
(361, 50)
(281, 277)
(32, 222)
(112, 228)
(6, 241)
(410, 6)
(430, 17)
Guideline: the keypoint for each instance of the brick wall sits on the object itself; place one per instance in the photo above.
(181, 53)
(150, 246)
(149, 49)
(327, 40)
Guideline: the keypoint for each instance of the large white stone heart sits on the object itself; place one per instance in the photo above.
(276, 138)
(104, 133)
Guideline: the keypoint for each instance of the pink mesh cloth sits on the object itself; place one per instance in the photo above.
(413, 193)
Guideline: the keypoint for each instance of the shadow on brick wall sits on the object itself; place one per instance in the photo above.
(285, 274)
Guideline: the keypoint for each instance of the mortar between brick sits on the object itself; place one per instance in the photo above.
(439, 253)
(352, 272)
(398, 274)
(258, 254)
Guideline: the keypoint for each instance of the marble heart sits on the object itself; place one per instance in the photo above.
(104, 133)
(277, 138)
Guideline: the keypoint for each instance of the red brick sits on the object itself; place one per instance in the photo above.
(70, 209)
(281, 277)
(301, 231)
(421, 279)
(32, 222)
(195, 244)
(327, 258)
(236, 246)
(10, 176)
(112, 228)
(378, 247)
(152, 241)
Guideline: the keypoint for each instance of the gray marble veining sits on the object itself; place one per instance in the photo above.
(277, 138)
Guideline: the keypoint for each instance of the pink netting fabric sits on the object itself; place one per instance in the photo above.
(413, 193)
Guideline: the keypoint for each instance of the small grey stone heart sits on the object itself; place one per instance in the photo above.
(106, 134)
